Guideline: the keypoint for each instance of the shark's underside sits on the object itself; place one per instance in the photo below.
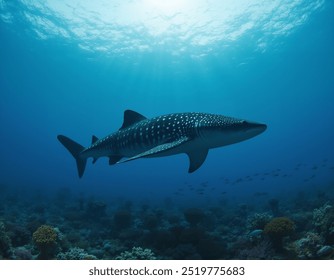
(139, 137)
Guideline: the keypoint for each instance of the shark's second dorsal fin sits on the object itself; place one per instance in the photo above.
(131, 117)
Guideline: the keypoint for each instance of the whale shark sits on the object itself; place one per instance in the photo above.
(139, 137)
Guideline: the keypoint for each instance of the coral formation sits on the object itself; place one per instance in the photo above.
(321, 216)
(261, 251)
(75, 254)
(45, 238)
(278, 228)
(18, 234)
(5, 242)
(137, 253)
(323, 220)
(307, 246)
(258, 220)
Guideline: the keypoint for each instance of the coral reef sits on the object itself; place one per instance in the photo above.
(261, 251)
(5, 242)
(18, 234)
(325, 251)
(96, 209)
(322, 216)
(278, 228)
(78, 228)
(258, 220)
(307, 246)
(45, 238)
(122, 219)
(22, 253)
(323, 220)
(137, 253)
(75, 254)
(194, 216)
(150, 221)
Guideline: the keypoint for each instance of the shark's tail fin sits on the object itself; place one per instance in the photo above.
(75, 149)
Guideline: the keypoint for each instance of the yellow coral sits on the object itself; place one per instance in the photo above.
(45, 235)
(279, 227)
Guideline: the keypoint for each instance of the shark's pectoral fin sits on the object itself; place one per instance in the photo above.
(158, 149)
(114, 159)
(196, 159)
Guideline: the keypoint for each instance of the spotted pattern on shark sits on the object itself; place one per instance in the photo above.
(139, 137)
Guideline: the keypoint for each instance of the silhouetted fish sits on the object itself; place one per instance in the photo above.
(139, 137)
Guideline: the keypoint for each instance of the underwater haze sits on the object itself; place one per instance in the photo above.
(73, 67)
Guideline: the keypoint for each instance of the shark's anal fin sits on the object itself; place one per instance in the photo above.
(131, 117)
(114, 159)
(158, 149)
(196, 159)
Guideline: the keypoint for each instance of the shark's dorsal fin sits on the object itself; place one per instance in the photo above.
(94, 139)
(158, 149)
(196, 159)
(131, 117)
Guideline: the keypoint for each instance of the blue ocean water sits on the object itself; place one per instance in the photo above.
(74, 67)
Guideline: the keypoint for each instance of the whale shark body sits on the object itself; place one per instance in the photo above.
(140, 137)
